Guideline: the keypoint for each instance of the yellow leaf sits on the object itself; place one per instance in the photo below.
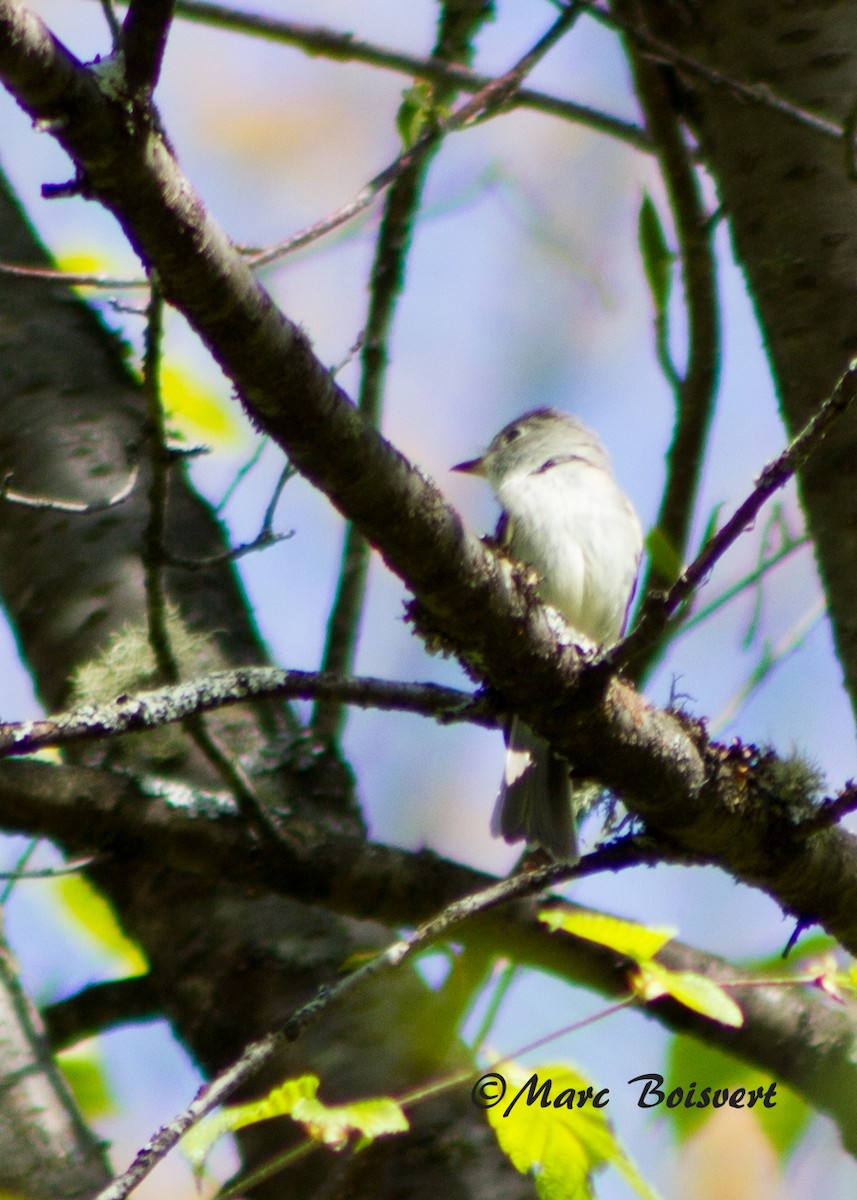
(553, 1129)
(196, 410)
(86, 1076)
(635, 941)
(652, 980)
(92, 913)
(296, 1098)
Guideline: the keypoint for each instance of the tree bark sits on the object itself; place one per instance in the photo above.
(787, 189)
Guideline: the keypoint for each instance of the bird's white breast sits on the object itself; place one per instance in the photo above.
(573, 524)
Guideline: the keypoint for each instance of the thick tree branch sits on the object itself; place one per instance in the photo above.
(661, 765)
(793, 1034)
(99, 1008)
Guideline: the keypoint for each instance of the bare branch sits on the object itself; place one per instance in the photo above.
(150, 710)
(143, 42)
(71, 278)
(99, 1008)
(343, 47)
(496, 95)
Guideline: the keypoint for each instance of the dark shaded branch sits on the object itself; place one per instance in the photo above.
(695, 391)
(99, 1008)
(792, 1015)
(143, 42)
(154, 563)
(153, 534)
(456, 30)
(662, 765)
(796, 1036)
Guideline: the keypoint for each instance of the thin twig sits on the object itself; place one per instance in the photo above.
(112, 21)
(71, 278)
(695, 391)
(661, 606)
(17, 872)
(497, 94)
(154, 562)
(343, 47)
(773, 657)
(73, 867)
(242, 471)
(261, 541)
(163, 706)
(749, 580)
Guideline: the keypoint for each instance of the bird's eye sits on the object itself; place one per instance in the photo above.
(514, 432)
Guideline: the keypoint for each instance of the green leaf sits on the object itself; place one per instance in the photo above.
(559, 1144)
(640, 942)
(694, 991)
(652, 980)
(691, 1060)
(711, 525)
(657, 257)
(415, 112)
(296, 1098)
(84, 1071)
(665, 559)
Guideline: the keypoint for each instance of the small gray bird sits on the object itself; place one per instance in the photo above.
(565, 516)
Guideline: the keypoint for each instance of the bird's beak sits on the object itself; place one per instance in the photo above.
(472, 467)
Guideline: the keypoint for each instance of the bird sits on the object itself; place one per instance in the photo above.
(565, 517)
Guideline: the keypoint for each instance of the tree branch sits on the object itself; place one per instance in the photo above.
(661, 607)
(99, 1008)
(343, 47)
(662, 765)
(695, 392)
(163, 706)
(144, 40)
(456, 30)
